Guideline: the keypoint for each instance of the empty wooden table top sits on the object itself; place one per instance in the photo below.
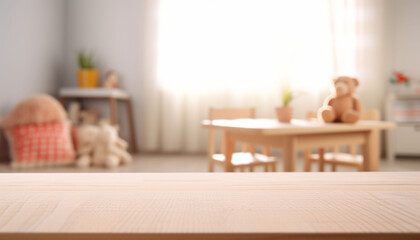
(295, 127)
(357, 205)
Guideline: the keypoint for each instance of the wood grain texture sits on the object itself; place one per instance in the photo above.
(211, 205)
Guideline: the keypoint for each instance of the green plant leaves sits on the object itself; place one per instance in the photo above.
(85, 60)
(287, 97)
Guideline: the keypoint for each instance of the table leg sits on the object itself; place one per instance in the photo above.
(371, 151)
(63, 101)
(390, 146)
(307, 160)
(229, 149)
(289, 154)
(211, 150)
(113, 108)
(321, 152)
(131, 124)
(266, 151)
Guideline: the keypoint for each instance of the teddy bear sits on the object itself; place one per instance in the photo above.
(101, 146)
(342, 105)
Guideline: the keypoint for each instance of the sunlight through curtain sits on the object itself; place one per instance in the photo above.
(238, 53)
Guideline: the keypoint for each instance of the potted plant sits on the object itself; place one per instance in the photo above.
(284, 113)
(87, 74)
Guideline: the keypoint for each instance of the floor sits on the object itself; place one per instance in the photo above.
(198, 163)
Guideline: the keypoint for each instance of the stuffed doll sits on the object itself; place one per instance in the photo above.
(110, 150)
(86, 136)
(342, 106)
(101, 146)
(111, 80)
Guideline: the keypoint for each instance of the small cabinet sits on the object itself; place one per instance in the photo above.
(404, 110)
(407, 139)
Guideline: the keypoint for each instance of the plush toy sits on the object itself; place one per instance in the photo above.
(74, 112)
(101, 146)
(86, 136)
(38, 133)
(89, 116)
(78, 116)
(36, 110)
(111, 80)
(342, 106)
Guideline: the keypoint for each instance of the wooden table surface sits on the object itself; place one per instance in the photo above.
(295, 127)
(359, 205)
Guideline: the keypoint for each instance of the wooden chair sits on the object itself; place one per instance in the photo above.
(247, 158)
(336, 158)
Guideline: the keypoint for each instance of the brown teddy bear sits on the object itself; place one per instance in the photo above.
(342, 106)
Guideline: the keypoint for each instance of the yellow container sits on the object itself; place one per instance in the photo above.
(88, 78)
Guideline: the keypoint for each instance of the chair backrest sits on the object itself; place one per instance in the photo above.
(228, 113)
(311, 115)
(231, 113)
(372, 114)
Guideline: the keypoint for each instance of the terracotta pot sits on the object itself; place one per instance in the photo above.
(284, 114)
(88, 78)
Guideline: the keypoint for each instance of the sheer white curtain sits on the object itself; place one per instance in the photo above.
(358, 36)
(237, 53)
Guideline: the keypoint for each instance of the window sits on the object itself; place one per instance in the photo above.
(243, 44)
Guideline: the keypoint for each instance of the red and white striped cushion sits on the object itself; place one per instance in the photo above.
(41, 144)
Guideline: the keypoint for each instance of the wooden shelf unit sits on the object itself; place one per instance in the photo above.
(404, 110)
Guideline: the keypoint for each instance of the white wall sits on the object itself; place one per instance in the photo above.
(403, 44)
(31, 37)
(113, 31)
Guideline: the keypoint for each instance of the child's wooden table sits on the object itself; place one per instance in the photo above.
(361, 205)
(301, 135)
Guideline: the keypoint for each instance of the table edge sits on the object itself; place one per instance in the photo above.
(210, 236)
